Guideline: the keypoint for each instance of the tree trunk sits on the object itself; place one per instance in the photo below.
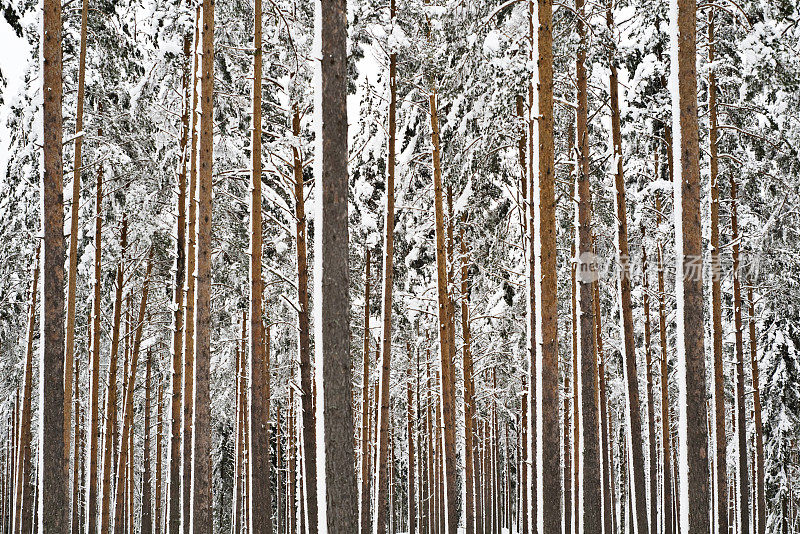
(633, 415)
(69, 354)
(743, 478)
(24, 485)
(469, 387)
(76, 459)
(379, 526)
(445, 325)
(127, 418)
(365, 411)
(336, 489)
(258, 490)
(549, 451)
(304, 344)
(412, 497)
(761, 500)
(185, 398)
(292, 459)
(147, 503)
(92, 524)
(201, 512)
(651, 418)
(607, 478)
(693, 440)
(720, 475)
(53, 463)
(238, 456)
(109, 450)
(589, 459)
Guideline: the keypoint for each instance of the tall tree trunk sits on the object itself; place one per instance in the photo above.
(575, 449)
(365, 424)
(53, 463)
(412, 497)
(761, 500)
(379, 526)
(109, 451)
(589, 459)
(720, 475)
(159, 434)
(24, 485)
(185, 398)
(607, 458)
(336, 489)
(238, 455)
(469, 387)
(633, 414)
(201, 512)
(127, 418)
(69, 354)
(147, 495)
(292, 459)
(304, 344)
(445, 324)
(549, 451)
(651, 417)
(258, 490)
(693, 434)
(743, 478)
(76, 459)
(94, 372)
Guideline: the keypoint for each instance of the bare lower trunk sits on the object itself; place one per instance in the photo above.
(761, 500)
(693, 433)
(336, 489)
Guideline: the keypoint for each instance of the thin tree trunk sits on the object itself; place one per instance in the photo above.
(201, 512)
(412, 497)
(159, 433)
(469, 387)
(607, 479)
(336, 489)
(109, 452)
(238, 455)
(651, 419)
(185, 398)
(693, 442)
(589, 460)
(24, 486)
(365, 425)
(147, 503)
(633, 415)
(127, 418)
(292, 459)
(720, 475)
(77, 441)
(379, 526)
(258, 491)
(759, 432)
(445, 325)
(53, 464)
(743, 489)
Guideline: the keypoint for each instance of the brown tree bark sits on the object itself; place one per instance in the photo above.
(147, 491)
(761, 501)
(693, 434)
(304, 343)
(549, 450)
(379, 526)
(53, 464)
(651, 419)
(469, 386)
(127, 418)
(589, 445)
(73, 236)
(743, 474)
(238, 455)
(258, 490)
(159, 433)
(76, 459)
(109, 450)
(24, 485)
(365, 411)
(92, 517)
(336, 489)
(445, 325)
(607, 457)
(201, 512)
(720, 475)
(411, 495)
(633, 414)
(292, 465)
